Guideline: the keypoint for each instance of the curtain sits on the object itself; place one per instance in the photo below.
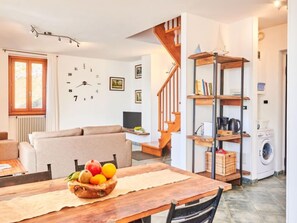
(52, 96)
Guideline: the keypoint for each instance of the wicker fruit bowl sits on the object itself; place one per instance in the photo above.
(83, 190)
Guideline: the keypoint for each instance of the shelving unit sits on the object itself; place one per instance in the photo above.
(225, 62)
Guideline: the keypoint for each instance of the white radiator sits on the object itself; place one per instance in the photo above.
(28, 124)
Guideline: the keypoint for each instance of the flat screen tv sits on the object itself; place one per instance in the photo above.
(131, 119)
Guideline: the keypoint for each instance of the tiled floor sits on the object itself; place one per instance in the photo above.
(263, 202)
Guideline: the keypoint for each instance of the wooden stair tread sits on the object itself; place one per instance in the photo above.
(151, 144)
(176, 113)
(173, 29)
(152, 148)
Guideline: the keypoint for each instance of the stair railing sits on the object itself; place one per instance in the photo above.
(168, 98)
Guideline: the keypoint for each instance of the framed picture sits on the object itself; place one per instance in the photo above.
(116, 84)
(138, 97)
(138, 71)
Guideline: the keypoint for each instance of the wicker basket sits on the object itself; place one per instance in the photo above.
(92, 191)
(225, 163)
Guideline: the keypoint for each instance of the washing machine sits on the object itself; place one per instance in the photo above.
(266, 152)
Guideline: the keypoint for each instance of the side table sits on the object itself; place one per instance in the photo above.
(16, 168)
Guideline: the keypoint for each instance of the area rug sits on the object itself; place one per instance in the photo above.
(139, 155)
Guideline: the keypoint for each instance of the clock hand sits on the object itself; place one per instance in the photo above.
(79, 85)
(83, 83)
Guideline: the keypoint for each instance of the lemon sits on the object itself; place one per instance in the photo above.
(109, 170)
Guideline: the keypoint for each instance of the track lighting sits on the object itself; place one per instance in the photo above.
(49, 34)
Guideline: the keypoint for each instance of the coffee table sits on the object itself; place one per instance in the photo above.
(16, 168)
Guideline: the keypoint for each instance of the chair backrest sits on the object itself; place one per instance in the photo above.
(26, 178)
(196, 212)
(82, 166)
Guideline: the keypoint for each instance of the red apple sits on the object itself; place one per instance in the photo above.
(93, 166)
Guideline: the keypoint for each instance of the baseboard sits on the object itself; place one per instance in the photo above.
(136, 143)
(249, 181)
(277, 173)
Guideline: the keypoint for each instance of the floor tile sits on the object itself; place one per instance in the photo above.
(262, 202)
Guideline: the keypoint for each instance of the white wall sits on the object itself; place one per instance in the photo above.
(292, 118)
(272, 48)
(242, 42)
(107, 106)
(195, 30)
(154, 73)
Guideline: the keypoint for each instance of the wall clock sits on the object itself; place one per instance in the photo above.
(83, 83)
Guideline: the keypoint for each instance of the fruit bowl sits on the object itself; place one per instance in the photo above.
(83, 190)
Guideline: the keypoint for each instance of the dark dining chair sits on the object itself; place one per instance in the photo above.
(26, 178)
(195, 212)
(82, 166)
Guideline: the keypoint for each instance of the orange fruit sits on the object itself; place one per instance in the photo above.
(109, 170)
(98, 179)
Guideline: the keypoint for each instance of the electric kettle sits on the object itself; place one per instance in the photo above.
(234, 125)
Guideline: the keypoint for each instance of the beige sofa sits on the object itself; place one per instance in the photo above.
(61, 148)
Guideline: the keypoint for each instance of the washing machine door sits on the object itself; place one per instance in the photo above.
(266, 152)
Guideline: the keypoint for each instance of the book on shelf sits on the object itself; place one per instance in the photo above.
(202, 87)
(199, 87)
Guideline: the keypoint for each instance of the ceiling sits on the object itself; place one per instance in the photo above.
(103, 27)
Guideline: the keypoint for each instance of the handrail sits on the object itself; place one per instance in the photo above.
(168, 78)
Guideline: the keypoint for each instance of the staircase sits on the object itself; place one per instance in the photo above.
(168, 34)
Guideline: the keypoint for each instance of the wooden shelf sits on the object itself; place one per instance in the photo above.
(201, 140)
(228, 178)
(229, 100)
(207, 140)
(226, 62)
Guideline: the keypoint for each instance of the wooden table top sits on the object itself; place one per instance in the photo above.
(16, 167)
(127, 207)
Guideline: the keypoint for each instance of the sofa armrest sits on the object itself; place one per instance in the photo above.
(27, 155)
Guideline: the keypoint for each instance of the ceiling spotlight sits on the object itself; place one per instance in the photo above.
(70, 40)
(32, 30)
(277, 3)
(77, 45)
(59, 38)
(36, 35)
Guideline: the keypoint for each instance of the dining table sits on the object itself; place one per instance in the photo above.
(126, 207)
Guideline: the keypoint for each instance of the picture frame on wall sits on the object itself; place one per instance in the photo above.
(116, 83)
(138, 71)
(138, 96)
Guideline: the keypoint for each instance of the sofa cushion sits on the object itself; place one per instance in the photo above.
(95, 130)
(56, 134)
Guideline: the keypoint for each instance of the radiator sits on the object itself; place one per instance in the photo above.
(28, 124)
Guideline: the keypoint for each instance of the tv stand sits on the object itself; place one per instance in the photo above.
(138, 137)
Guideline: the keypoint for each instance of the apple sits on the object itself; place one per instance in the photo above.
(93, 166)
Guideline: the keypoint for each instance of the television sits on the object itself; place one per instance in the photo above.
(131, 119)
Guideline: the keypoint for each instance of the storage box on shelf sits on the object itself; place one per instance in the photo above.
(225, 163)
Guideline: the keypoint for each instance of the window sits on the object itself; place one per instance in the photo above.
(27, 86)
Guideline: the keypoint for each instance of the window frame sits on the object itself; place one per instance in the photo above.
(28, 110)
